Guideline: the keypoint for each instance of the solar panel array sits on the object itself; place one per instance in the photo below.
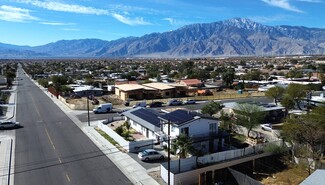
(148, 116)
(178, 116)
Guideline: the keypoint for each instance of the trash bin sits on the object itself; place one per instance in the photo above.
(127, 103)
(240, 91)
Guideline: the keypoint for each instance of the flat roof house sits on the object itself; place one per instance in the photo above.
(85, 90)
(162, 90)
(133, 91)
(203, 130)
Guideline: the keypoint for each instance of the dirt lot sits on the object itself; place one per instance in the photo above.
(291, 176)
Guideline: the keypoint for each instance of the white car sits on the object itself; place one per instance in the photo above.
(9, 124)
(150, 154)
(174, 102)
(189, 102)
(267, 127)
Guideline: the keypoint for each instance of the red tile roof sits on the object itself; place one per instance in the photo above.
(191, 82)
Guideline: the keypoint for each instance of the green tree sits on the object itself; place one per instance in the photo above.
(322, 78)
(228, 76)
(249, 116)
(307, 131)
(211, 108)
(288, 102)
(184, 144)
(225, 120)
(58, 82)
(43, 82)
(10, 75)
(276, 93)
(297, 92)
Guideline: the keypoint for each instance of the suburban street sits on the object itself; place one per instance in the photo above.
(83, 116)
(51, 149)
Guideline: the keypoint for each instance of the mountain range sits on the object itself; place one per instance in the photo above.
(233, 37)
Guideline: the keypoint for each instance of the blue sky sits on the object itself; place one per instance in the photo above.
(38, 22)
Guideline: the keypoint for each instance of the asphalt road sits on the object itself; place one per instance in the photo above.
(52, 150)
(83, 117)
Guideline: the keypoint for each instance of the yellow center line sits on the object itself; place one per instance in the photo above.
(68, 177)
(48, 135)
(50, 139)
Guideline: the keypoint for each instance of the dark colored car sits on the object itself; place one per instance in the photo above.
(9, 124)
(156, 104)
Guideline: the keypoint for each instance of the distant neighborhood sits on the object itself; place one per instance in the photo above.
(206, 120)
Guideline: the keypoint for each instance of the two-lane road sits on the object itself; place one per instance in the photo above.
(51, 149)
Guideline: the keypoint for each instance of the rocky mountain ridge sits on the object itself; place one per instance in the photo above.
(233, 37)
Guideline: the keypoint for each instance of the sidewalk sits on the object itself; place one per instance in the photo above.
(11, 106)
(5, 145)
(6, 138)
(131, 169)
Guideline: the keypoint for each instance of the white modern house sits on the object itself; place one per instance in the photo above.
(202, 130)
(189, 124)
(154, 125)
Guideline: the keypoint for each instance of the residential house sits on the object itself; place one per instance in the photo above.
(192, 82)
(85, 90)
(144, 121)
(274, 114)
(154, 125)
(203, 130)
(134, 91)
(3, 82)
(162, 90)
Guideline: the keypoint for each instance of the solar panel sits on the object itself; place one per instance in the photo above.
(178, 116)
(148, 116)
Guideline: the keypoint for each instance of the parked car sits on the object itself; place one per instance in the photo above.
(188, 102)
(9, 124)
(174, 102)
(140, 104)
(150, 154)
(266, 127)
(156, 104)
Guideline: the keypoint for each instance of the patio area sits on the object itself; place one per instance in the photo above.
(133, 133)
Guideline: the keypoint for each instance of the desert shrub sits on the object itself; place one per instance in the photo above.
(119, 130)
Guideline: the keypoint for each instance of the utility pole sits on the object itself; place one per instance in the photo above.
(168, 152)
(88, 107)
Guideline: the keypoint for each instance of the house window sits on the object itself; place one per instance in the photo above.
(166, 93)
(185, 131)
(212, 127)
(135, 124)
(173, 128)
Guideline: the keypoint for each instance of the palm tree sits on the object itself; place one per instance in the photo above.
(183, 144)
